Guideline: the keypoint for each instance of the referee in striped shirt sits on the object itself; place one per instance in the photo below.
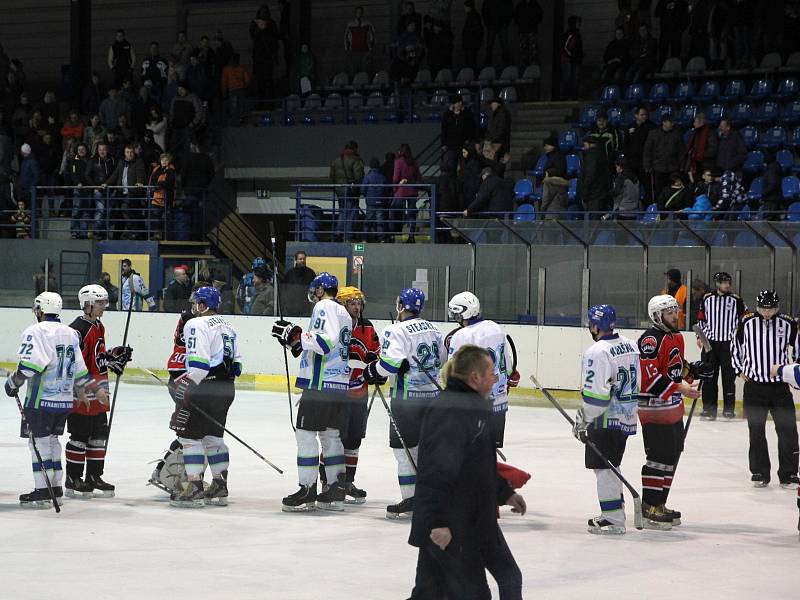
(762, 340)
(719, 315)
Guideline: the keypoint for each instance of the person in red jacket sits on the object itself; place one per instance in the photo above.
(666, 378)
(88, 424)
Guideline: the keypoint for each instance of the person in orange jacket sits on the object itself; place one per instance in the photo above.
(677, 290)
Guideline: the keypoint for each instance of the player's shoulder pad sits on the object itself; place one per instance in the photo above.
(650, 342)
(81, 325)
(749, 317)
(786, 317)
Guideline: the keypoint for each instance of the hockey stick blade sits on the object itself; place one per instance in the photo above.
(637, 502)
(701, 335)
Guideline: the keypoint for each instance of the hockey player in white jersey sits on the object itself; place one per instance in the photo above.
(465, 309)
(51, 362)
(213, 362)
(324, 378)
(611, 376)
(407, 347)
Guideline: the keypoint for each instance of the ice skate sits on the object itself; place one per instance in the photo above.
(191, 496)
(729, 415)
(655, 518)
(675, 515)
(602, 526)
(101, 488)
(332, 498)
(402, 510)
(217, 492)
(354, 495)
(707, 415)
(38, 498)
(77, 488)
(302, 500)
(759, 481)
(790, 483)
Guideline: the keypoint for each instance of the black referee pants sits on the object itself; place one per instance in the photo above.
(719, 357)
(761, 399)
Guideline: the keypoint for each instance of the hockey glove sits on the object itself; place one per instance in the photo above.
(287, 334)
(513, 379)
(371, 374)
(701, 370)
(117, 358)
(580, 427)
(184, 387)
(13, 383)
(405, 367)
(179, 419)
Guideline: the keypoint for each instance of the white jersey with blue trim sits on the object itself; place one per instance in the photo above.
(405, 341)
(790, 374)
(326, 347)
(488, 335)
(210, 340)
(50, 357)
(611, 379)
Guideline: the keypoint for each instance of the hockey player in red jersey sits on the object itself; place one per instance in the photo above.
(666, 378)
(88, 424)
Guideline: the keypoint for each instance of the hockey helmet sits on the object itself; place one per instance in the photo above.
(49, 303)
(324, 280)
(602, 316)
(464, 306)
(258, 262)
(412, 300)
(207, 295)
(657, 305)
(767, 299)
(92, 294)
(722, 277)
(350, 293)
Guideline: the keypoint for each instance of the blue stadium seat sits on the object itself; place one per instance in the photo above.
(615, 116)
(775, 240)
(741, 114)
(773, 138)
(760, 90)
(793, 212)
(766, 114)
(790, 114)
(266, 121)
(567, 141)
(308, 120)
(538, 170)
(523, 190)
(756, 189)
(611, 94)
(572, 191)
(288, 120)
(707, 92)
(785, 160)
(720, 238)
(658, 114)
(327, 120)
(683, 92)
(794, 138)
(525, 213)
(749, 136)
(746, 239)
(790, 186)
(659, 93)
(650, 214)
(754, 162)
(588, 117)
(605, 238)
(686, 239)
(574, 212)
(686, 115)
(744, 214)
(715, 113)
(733, 91)
(787, 89)
(634, 95)
(573, 165)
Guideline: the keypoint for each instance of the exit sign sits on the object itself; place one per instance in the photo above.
(262, 194)
(358, 247)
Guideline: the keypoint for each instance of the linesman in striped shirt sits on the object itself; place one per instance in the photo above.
(762, 341)
(719, 315)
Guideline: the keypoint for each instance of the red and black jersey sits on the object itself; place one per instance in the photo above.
(661, 355)
(363, 339)
(177, 360)
(93, 347)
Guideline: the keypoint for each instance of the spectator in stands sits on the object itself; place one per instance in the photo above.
(75, 175)
(387, 167)
(29, 173)
(719, 34)
(594, 180)
(207, 57)
(116, 145)
(94, 132)
(528, 17)
(149, 151)
(410, 52)
(129, 175)
(711, 186)
(127, 92)
(663, 151)
(197, 78)
(49, 157)
(110, 288)
(673, 16)
(404, 203)
(359, 40)
(92, 95)
(644, 53)
(158, 126)
(183, 48)
(555, 182)
(121, 57)
(347, 172)
(264, 34)
(222, 52)
(98, 170)
(627, 19)
(497, 139)
(111, 108)
(741, 18)
(45, 282)
(571, 58)
(140, 110)
(264, 297)
(235, 81)
(496, 195)
(306, 69)
(124, 130)
(295, 287)
(285, 32)
(677, 290)
(701, 146)
(608, 137)
(497, 17)
(616, 58)
(21, 220)
(377, 200)
(698, 28)
(772, 195)
(176, 296)
(625, 191)
(163, 180)
(185, 114)
(439, 10)
(21, 116)
(50, 111)
(731, 149)
(733, 196)
(634, 140)
(677, 196)
(408, 14)
(439, 46)
(73, 127)
(472, 166)
(458, 127)
(154, 68)
(471, 35)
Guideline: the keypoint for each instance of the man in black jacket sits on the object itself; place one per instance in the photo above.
(129, 176)
(176, 296)
(496, 195)
(458, 126)
(295, 287)
(458, 491)
(731, 149)
(97, 172)
(498, 134)
(555, 182)
(594, 182)
(635, 137)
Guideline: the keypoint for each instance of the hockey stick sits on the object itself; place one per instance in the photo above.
(513, 352)
(637, 500)
(280, 316)
(396, 428)
(124, 345)
(216, 423)
(38, 456)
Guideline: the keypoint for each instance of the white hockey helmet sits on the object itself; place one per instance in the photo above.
(88, 295)
(657, 305)
(464, 306)
(49, 303)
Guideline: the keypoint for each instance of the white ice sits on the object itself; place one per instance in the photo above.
(736, 541)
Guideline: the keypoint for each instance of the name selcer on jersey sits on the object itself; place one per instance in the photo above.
(210, 342)
(405, 341)
(487, 334)
(50, 356)
(326, 345)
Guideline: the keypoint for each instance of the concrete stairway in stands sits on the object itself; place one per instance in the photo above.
(532, 122)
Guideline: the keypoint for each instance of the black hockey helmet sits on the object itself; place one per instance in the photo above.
(722, 277)
(767, 299)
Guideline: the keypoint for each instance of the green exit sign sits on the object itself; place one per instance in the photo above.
(358, 247)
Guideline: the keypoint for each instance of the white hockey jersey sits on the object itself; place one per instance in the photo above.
(326, 345)
(50, 357)
(487, 334)
(210, 340)
(405, 341)
(611, 376)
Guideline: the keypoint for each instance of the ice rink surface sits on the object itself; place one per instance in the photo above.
(736, 541)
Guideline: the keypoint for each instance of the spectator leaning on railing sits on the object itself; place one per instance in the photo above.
(130, 175)
(347, 172)
(376, 197)
(98, 170)
(163, 180)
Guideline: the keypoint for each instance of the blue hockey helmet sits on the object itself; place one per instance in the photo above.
(412, 300)
(602, 316)
(258, 262)
(324, 280)
(207, 295)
